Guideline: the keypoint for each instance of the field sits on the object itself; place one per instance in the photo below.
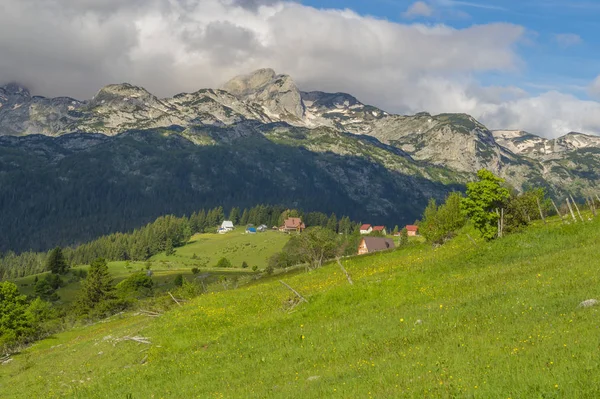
(255, 249)
(484, 320)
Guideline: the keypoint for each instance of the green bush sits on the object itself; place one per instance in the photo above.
(138, 285)
(441, 223)
(244, 265)
(195, 271)
(224, 263)
(178, 280)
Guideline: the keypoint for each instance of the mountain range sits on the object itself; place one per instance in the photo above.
(71, 170)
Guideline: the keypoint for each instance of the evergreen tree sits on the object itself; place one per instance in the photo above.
(178, 280)
(96, 288)
(244, 218)
(332, 223)
(44, 290)
(56, 262)
(234, 215)
(169, 250)
(404, 237)
(396, 229)
(202, 221)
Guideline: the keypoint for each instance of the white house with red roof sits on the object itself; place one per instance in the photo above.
(412, 230)
(366, 229)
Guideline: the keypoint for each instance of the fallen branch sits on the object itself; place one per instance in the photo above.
(177, 302)
(294, 291)
(141, 340)
(149, 313)
(344, 270)
(472, 240)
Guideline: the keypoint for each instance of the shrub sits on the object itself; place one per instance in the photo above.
(136, 286)
(254, 268)
(441, 223)
(195, 271)
(244, 265)
(224, 263)
(178, 280)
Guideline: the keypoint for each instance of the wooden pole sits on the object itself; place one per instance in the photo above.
(177, 302)
(499, 227)
(576, 207)
(502, 221)
(571, 209)
(593, 206)
(294, 291)
(541, 212)
(345, 271)
(557, 211)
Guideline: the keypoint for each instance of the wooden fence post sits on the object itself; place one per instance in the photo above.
(576, 207)
(571, 209)
(557, 211)
(540, 208)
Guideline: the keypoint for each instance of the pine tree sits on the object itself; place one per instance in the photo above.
(56, 262)
(234, 215)
(169, 250)
(404, 237)
(396, 229)
(96, 288)
(244, 219)
(332, 223)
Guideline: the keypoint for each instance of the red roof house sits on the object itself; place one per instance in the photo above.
(292, 224)
(412, 230)
(366, 229)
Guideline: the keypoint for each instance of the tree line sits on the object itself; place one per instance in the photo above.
(163, 235)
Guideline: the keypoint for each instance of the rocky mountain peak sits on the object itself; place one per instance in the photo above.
(278, 94)
(14, 90)
(121, 92)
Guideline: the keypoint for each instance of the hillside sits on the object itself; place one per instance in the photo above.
(203, 251)
(73, 170)
(498, 319)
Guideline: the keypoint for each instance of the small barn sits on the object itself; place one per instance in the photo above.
(226, 227)
(412, 230)
(369, 245)
(366, 229)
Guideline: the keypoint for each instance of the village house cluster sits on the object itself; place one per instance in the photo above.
(366, 245)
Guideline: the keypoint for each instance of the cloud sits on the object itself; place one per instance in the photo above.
(74, 47)
(594, 88)
(568, 39)
(418, 9)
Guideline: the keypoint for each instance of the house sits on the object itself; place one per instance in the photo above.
(380, 229)
(366, 229)
(292, 224)
(369, 245)
(262, 228)
(226, 227)
(412, 230)
(251, 230)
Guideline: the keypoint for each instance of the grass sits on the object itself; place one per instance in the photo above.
(496, 320)
(255, 249)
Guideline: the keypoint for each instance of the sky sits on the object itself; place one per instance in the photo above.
(530, 65)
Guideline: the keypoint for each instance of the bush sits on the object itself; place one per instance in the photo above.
(254, 268)
(137, 285)
(178, 280)
(244, 265)
(224, 263)
(195, 271)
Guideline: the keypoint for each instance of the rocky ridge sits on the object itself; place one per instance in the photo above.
(456, 142)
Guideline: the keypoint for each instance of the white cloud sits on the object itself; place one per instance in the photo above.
(568, 39)
(74, 47)
(418, 9)
(594, 88)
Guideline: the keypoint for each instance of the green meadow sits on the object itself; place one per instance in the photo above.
(464, 320)
(203, 251)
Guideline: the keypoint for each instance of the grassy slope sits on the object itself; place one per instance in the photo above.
(497, 320)
(237, 247)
